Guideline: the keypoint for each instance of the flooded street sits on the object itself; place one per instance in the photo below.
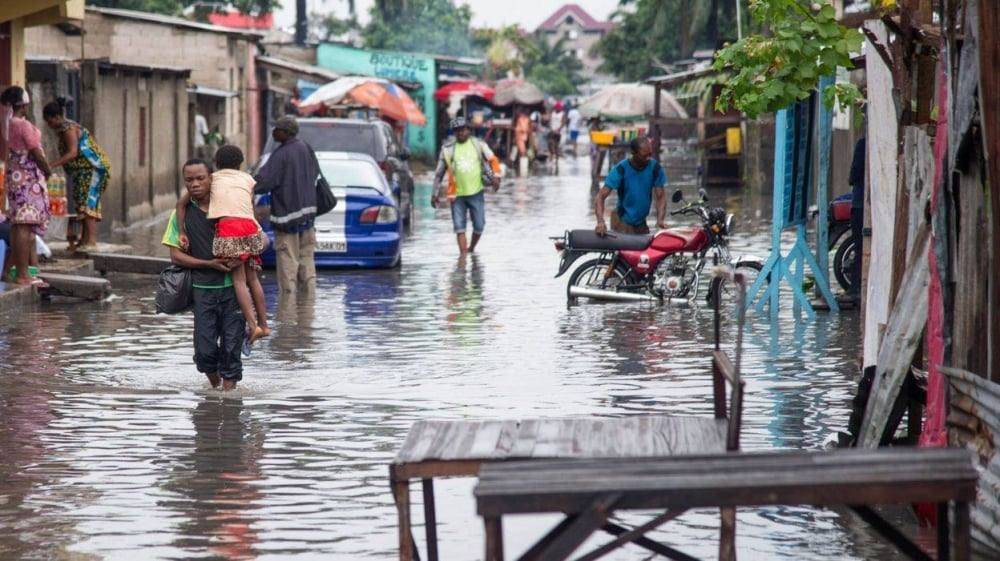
(113, 447)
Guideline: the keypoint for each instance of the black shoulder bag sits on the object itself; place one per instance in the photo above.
(325, 199)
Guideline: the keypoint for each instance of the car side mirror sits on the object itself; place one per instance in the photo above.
(677, 197)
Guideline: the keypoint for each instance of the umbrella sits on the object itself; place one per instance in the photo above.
(629, 101)
(517, 91)
(463, 89)
(390, 100)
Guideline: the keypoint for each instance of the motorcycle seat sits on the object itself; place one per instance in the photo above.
(588, 239)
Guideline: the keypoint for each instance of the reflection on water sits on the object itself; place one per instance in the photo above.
(114, 447)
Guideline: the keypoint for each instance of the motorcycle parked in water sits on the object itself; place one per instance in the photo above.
(664, 267)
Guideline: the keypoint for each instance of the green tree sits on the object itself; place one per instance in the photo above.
(650, 33)
(168, 7)
(552, 67)
(332, 27)
(429, 26)
(771, 71)
(174, 7)
(505, 50)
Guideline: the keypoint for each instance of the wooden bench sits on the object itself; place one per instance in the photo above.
(460, 448)
(589, 491)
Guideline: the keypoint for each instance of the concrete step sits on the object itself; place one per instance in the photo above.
(16, 297)
(89, 288)
(118, 263)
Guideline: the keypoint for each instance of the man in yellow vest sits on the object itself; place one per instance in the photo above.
(469, 164)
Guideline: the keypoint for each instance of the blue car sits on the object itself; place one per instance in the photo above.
(364, 230)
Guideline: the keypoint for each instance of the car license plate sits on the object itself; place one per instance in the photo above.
(332, 246)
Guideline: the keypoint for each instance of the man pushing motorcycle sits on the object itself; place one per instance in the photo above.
(638, 180)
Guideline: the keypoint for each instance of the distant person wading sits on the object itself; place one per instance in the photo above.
(468, 163)
(85, 163)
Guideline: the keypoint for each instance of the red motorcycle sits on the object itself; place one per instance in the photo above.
(663, 267)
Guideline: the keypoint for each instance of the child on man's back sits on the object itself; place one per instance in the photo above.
(238, 236)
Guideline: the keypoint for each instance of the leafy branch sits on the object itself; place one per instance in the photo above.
(771, 72)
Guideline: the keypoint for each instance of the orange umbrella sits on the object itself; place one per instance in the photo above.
(388, 98)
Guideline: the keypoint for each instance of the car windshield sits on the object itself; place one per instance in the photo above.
(340, 137)
(353, 173)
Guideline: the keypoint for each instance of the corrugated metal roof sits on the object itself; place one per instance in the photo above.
(174, 21)
(307, 69)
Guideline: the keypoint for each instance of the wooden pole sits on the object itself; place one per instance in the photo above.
(989, 107)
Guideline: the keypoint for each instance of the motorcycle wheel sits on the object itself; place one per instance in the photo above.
(840, 235)
(843, 261)
(720, 286)
(590, 274)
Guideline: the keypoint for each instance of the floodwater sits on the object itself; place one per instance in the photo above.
(113, 447)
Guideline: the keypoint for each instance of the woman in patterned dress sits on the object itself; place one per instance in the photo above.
(27, 172)
(85, 163)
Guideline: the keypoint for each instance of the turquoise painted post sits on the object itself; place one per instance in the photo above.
(825, 131)
(773, 265)
(790, 266)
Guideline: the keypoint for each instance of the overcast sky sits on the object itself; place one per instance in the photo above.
(486, 13)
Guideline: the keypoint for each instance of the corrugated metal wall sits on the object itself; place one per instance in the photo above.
(974, 423)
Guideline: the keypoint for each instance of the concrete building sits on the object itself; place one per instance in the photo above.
(221, 61)
(140, 117)
(18, 17)
(581, 32)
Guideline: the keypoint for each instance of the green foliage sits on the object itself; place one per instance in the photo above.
(332, 27)
(256, 7)
(648, 33)
(174, 7)
(770, 72)
(505, 50)
(167, 7)
(553, 68)
(428, 26)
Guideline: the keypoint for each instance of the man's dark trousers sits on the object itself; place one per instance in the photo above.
(219, 329)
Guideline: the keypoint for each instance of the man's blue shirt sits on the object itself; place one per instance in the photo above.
(635, 189)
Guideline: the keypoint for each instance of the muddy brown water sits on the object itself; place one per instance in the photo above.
(113, 447)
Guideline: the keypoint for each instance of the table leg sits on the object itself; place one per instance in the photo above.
(494, 539)
(727, 538)
(961, 532)
(401, 493)
(430, 520)
(943, 533)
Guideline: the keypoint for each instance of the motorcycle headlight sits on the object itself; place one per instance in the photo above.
(729, 224)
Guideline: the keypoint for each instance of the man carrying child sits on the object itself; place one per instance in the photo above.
(219, 325)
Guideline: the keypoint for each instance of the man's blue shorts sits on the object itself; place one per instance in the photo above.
(462, 207)
(573, 135)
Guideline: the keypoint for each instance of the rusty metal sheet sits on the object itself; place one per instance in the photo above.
(976, 397)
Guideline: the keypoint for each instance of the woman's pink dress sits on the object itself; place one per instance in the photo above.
(27, 194)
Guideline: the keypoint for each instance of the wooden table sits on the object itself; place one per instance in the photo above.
(588, 492)
(459, 448)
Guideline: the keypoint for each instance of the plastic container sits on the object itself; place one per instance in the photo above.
(733, 141)
(603, 138)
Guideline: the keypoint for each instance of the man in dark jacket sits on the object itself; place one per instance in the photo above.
(857, 181)
(290, 177)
